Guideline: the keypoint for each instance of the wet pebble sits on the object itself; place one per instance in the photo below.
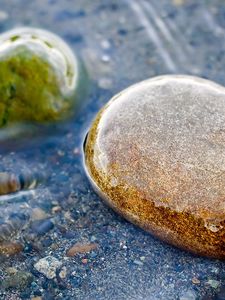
(81, 248)
(41, 227)
(19, 280)
(9, 183)
(63, 273)
(155, 154)
(195, 280)
(38, 214)
(47, 242)
(11, 270)
(213, 283)
(84, 261)
(12, 226)
(10, 248)
(105, 58)
(105, 44)
(48, 266)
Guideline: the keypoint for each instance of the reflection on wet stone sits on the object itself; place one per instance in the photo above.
(155, 153)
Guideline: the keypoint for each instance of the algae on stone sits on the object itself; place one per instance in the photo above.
(37, 80)
(29, 89)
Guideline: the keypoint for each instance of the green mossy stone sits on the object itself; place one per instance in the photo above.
(40, 78)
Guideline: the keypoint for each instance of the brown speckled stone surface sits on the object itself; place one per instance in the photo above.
(156, 154)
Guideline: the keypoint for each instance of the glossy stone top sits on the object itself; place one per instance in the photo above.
(165, 139)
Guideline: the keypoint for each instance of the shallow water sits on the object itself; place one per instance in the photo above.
(120, 42)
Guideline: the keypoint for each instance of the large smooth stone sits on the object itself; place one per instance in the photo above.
(156, 154)
(40, 77)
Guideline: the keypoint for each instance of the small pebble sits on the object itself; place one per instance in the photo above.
(11, 270)
(48, 266)
(105, 44)
(84, 261)
(63, 273)
(68, 217)
(188, 295)
(10, 248)
(9, 183)
(105, 83)
(38, 214)
(19, 280)
(195, 280)
(56, 209)
(41, 227)
(60, 153)
(76, 151)
(93, 238)
(81, 248)
(47, 242)
(213, 283)
(105, 58)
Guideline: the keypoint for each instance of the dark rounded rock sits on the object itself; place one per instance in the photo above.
(41, 227)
